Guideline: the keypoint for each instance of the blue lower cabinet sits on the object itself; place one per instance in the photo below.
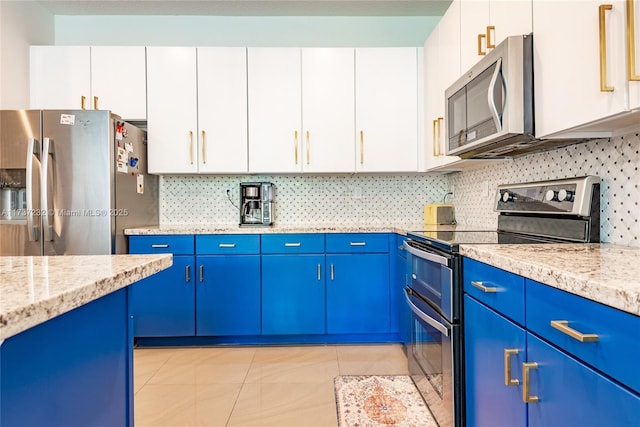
(228, 295)
(163, 305)
(358, 293)
(487, 337)
(293, 294)
(570, 394)
(73, 370)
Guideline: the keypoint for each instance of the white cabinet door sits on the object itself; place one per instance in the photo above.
(474, 19)
(386, 110)
(567, 64)
(172, 110)
(118, 80)
(60, 77)
(634, 43)
(222, 110)
(328, 109)
(509, 18)
(275, 105)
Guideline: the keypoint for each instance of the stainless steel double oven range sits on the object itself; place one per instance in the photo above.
(565, 210)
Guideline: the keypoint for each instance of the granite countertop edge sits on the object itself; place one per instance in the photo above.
(276, 229)
(600, 272)
(37, 289)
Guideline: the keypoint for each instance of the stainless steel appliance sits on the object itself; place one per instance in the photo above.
(549, 211)
(256, 203)
(76, 179)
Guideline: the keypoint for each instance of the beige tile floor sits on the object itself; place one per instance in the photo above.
(251, 386)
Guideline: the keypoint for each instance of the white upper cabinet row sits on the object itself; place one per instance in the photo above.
(257, 110)
(83, 77)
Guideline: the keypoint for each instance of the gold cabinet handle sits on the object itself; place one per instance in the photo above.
(361, 147)
(563, 326)
(332, 275)
(191, 146)
(631, 43)
(440, 152)
(508, 381)
(603, 48)
(204, 149)
(526, 388)
(483, 288)
(308, 149)
(295, 145)
(187, 274)
(319, 277)
(83, 100)
(490, 44)
(95, 103)
(201, 273)
(480, 51)
(436, 146)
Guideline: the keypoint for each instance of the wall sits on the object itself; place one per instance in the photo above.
(22, 23)
(303, 31)
(615, 161)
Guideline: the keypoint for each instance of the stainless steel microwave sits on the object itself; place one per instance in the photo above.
(489, 110)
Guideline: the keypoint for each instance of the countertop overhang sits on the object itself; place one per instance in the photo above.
(36, 289)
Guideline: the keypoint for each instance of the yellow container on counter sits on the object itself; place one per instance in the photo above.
(435, 214)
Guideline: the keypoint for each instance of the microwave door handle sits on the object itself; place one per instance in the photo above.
(491, 98)
(427, 319)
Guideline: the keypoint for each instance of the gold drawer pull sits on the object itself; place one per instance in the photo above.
(483, 288)
(526, 389)
(490, 44)
(508, 352)
(604, 87)
(631, 43)
(563, 326)
(480, 38)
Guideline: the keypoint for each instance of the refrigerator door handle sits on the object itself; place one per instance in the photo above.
(44, 190)
(32, 230)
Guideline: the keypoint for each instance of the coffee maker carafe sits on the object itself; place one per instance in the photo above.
(256, 203)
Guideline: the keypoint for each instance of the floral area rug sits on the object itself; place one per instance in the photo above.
(380, 401)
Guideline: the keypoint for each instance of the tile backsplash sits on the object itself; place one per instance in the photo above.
(334, 200)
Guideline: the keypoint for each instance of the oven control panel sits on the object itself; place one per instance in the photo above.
(571, 196)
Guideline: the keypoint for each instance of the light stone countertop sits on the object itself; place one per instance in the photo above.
(606, 273)
(36, 289)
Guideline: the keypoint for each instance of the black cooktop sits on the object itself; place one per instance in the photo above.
(449, 241)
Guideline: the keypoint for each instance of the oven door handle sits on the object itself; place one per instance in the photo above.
(427, 319)
(426, 255)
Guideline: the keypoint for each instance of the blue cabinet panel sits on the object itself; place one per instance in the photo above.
(617, 349)
(74, 370)
(233, 244)
(573, 395)
(177, 245)
(357, 243)
(163, 305)
(292, 243)
(293, 294)
(358, 293)
(504, 291)
(228, 295)
(489, 402)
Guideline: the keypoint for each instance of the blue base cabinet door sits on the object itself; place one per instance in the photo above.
(293, 294)
(358, 293)
(163, 305)
(491, 342)
(228, 295)
(571, 394)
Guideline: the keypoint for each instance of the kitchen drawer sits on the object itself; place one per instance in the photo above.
(617, 348)
(175, 244)
(503, 291)
(221, 244)
(292, 243)
(348, 243)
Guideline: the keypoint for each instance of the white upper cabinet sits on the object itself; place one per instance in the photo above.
(485, 23)
(222, 110)
(386, 110)
(275, 104)
(633, 52)
(82, 77)
(172, 124)
(197, 110)
(580, 89)
(328, 109)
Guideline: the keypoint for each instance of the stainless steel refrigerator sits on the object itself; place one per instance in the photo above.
(71, 181)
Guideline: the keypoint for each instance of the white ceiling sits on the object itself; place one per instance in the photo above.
(249, 7)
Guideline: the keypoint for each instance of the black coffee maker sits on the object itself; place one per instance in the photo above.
(256, 203)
